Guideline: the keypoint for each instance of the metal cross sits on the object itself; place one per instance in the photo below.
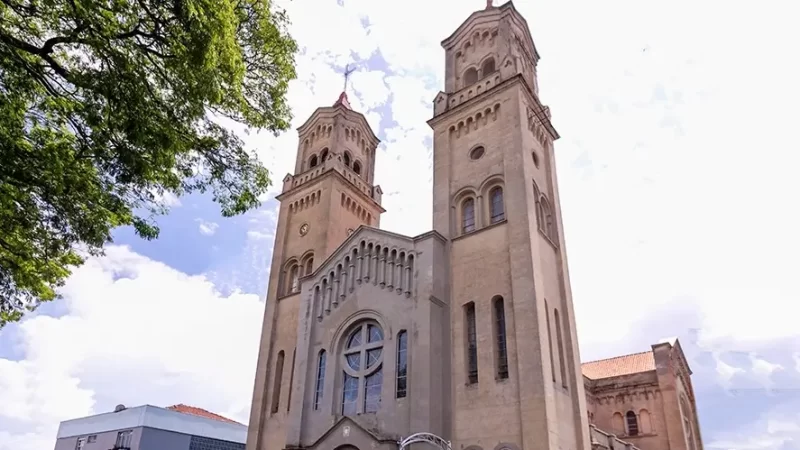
(347, 72)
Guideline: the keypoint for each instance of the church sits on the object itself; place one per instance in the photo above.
(466, 333)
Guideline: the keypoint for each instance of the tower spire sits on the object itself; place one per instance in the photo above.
(343, 96)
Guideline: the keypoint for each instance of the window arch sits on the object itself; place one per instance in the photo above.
(488, 67)
(362, 361)
(313, 162)
(401, 389)
(323, 155)
(496, 207)
(468, 215)
(346, 159)
(291, 277)
(357, 167)
(319, 388)
(631, 423)
(500, 337)
(645, 422)
(276, 383)
(471, 343)
(618, 424)
(470, 76)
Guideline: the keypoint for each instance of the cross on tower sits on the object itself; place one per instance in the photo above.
(347, 72)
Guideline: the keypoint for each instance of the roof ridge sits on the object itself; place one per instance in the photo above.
(617, 357)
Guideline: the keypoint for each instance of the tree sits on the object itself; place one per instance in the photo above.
(108, 105)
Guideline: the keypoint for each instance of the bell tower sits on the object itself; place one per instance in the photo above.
(329, 195)
(514, 356)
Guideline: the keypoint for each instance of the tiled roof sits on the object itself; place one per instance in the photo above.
(200, 412)
(620, 365)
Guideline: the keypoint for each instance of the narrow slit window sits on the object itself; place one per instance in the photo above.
(560, 340)
(276, 385)
(550, 341)
(500, 330)
(472, 344)
(402, 365)
(291, 382)
(319, 389)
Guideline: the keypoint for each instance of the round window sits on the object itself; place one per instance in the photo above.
(476, 153)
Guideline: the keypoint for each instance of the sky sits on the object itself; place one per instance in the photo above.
(677, 176)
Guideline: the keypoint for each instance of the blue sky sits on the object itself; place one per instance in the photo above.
(677, 175)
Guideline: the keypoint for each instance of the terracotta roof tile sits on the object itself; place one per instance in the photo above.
(200, 412)
(620, 365)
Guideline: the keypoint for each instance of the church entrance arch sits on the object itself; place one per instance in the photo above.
(427, 438)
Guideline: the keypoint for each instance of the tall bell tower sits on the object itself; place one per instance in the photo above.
(515, 362)
(330, 194)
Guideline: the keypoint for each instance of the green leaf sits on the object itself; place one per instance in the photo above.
(104, 107)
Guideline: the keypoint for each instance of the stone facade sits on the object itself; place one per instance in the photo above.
(467, 331)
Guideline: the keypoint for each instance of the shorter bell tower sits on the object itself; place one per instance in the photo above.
(329, 195)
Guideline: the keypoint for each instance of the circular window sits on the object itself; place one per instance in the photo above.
(535, 159)
(476, 153)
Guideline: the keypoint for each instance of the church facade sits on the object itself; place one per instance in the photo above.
(466, 331)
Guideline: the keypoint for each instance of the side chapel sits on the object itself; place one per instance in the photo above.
(466, 331)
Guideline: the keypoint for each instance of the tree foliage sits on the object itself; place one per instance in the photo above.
(106, 106)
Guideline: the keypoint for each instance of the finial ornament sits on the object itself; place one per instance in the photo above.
(489, 4)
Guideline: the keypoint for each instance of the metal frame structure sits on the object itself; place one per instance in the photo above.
(428, 438)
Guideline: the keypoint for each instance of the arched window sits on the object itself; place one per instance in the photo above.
(276, 383)
(319, 388)
(313, 162)
(470, 76)
(309, 265)
(488, 67)
(323, 155)
(346, 159)
(363, 371)
(500, 335)
(294, 279)
(560, 341)
(468, 215)
(402, 364)
(472, 343)
(632, 423)
(496, 208)
(544, 212)
(357, 167)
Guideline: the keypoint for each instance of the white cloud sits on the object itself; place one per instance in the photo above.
(136, 331)
(207, 228)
